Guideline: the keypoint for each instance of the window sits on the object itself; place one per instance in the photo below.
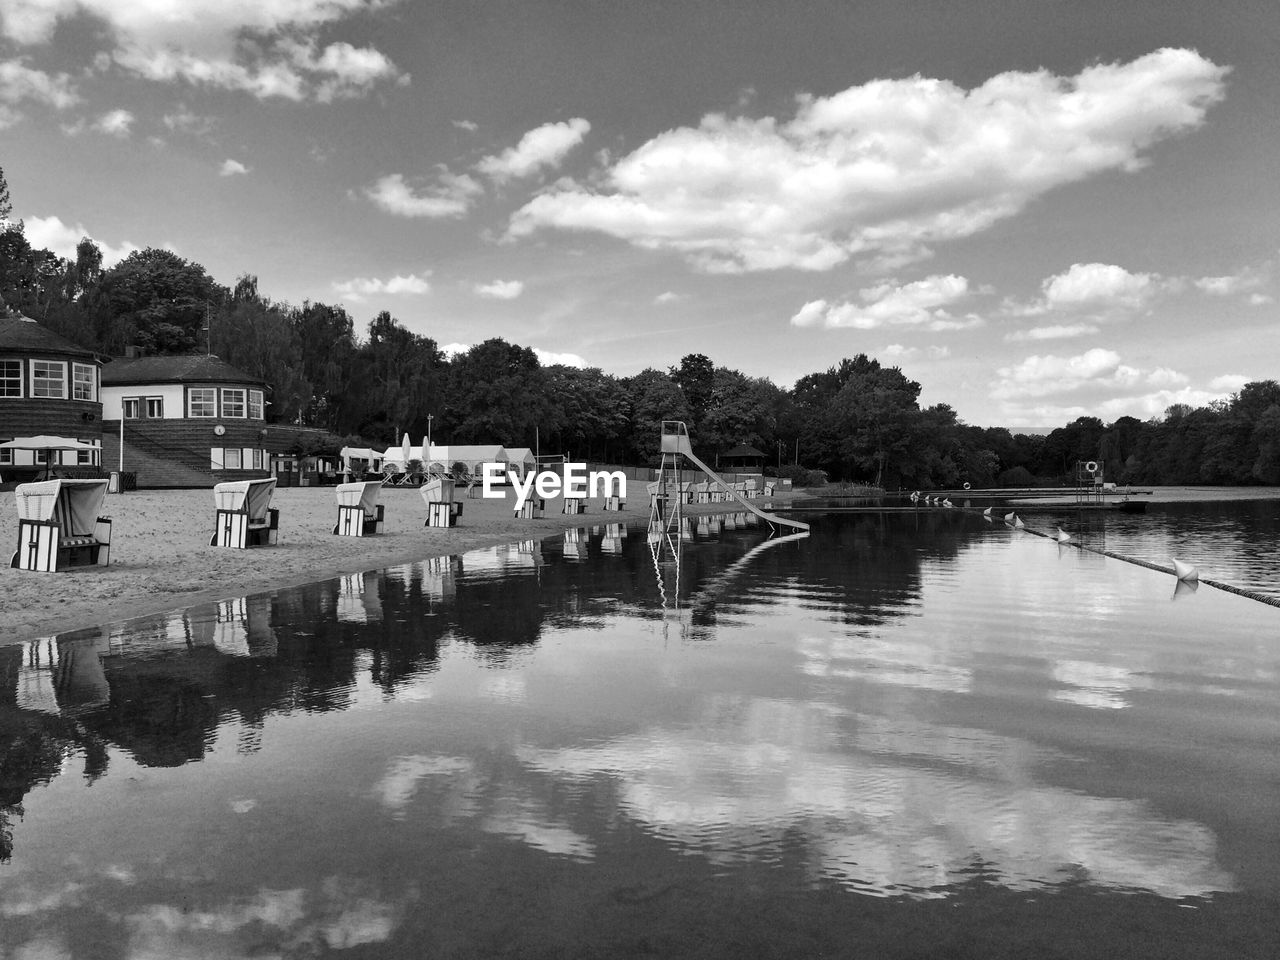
(49, 379)
(84, 457)
(10, 378)
(233, 403)
(255, 404)
(131, 405)
(231, 458)
(42, 456)
(155, 408)
(202, 402)
(257, 459)
(83, 382)
(6, 456)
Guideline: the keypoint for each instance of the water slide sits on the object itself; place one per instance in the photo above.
(675, 439)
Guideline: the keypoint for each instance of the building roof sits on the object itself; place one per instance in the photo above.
(22, 333)
(196, 369)
(742, 450)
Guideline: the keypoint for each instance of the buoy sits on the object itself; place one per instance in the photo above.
(986, 512)
(1017, 523)
(1063, 536)
(1185, 571)
(947, 503)
(1010, 517)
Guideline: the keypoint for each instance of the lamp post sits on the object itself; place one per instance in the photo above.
(426, 454)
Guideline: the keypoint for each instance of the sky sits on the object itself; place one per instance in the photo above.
(1037, 209)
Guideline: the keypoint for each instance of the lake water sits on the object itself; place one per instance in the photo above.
(902, 736)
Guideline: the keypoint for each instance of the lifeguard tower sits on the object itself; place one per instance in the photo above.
(1089, 475)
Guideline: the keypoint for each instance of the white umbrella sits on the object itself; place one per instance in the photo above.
(45, 442)
(404, 449)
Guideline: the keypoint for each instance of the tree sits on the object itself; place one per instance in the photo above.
(159, 302)
(655, 397)
(496, 393)
(6, 204)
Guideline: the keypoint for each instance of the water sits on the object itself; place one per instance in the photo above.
(902, 736)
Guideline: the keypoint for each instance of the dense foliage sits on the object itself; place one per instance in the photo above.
(856, 421)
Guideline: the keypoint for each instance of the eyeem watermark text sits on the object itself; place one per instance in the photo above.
(573, 480)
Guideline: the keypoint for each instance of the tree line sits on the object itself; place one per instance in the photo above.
(857, 421)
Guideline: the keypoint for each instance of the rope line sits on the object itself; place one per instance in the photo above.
(1229, 588)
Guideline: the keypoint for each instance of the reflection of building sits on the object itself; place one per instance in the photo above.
(49, 386)
(358, 598)
(58, 677)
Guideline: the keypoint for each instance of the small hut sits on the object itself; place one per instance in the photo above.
(743, 459)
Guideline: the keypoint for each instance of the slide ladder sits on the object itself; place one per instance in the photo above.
(675, 440)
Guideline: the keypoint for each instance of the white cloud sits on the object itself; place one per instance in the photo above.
(50, 233)
(882, 169)
(1165, 377)
(450, 196)
(183, 120)
(543, 146)
(549, 359)
(232, 168)
(1085, 285)
(265, 47)
(360, 288)
(1039, 376)
(115, 123)
(1243, 280)
(911, 304)
(898, 350)
(1260, 299)
(500, 289)
(1229, 382)
(469, 125)
(20, 83)
(1058, 332)
(667, 296)
(545, 357)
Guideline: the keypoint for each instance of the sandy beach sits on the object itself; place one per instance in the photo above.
(161, 559)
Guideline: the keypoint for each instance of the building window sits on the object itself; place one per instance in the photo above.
(42, 456)
(84, 382)
(49, 379)
(255, 404)
(257, 459)
(84, 458)
(233, 403)
(231, 458)
(10, 378)
(130, 406)
(6, 456)
(202, 402)
(155, 408)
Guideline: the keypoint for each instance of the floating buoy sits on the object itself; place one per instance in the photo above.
(1017, 523)
(1063, 536)
(1010, 517)
(947, 503)
(915, 496)
(1185, 571)
(987, 512)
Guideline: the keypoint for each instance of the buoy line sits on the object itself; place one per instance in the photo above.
(1229, 588)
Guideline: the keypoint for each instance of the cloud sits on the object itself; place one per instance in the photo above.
(469, 125)
(883, 169)
(545, 357)
(888, 304)
(183, 120)
(50, 233)
(22, 84)
(1242, 281)
(543, 146)
(1059, 332)
(1039, 376)
(1229, 382)
(450, 196)
(1098, 284)
(116, 123)
(668, 296)
(360, 288)
(265, 47)
(232, 168)
(1260, 299)
(500, 289)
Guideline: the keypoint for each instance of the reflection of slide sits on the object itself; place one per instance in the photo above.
(717, 584)
(675, 439)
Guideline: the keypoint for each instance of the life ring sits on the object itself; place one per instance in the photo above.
(966, 484)
(1091, 466)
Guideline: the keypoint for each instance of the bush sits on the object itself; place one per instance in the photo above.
(802, 477)
(1016, 477)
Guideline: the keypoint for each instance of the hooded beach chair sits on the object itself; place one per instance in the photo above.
(59, 526)
(442, 509)
(359, 512)
(244, 516)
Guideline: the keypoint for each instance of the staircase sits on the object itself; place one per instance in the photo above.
(153, 468)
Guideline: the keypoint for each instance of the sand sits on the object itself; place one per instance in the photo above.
(161, 559)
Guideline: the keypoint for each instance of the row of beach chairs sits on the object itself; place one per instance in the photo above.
(709, 491)
(60, 526)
